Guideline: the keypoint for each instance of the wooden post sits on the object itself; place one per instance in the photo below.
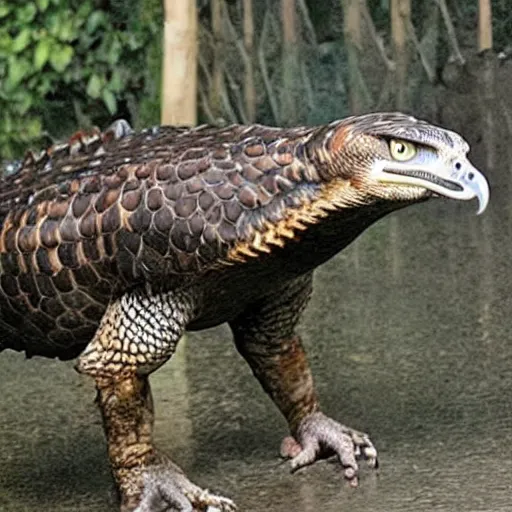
(400, 19)
(217, 84)
(249, 90)
(352, 36)
(179, 81)
(290, 64)
(487, 82)
(484, 25)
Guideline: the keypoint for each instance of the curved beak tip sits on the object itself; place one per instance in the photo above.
(481, 207)
(480, 188)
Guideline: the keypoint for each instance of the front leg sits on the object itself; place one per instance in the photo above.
(139, 333)
(265, 336)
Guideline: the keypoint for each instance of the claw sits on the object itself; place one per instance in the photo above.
(318, 435)
(370, 454)
(306, 457)
(350, 473)
(213, 503)
(354, 482)
(167, 488)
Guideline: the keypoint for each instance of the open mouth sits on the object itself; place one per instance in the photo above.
(427, 176)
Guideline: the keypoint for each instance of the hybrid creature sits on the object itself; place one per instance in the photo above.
(115, 244)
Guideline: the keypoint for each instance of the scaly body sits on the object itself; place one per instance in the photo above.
(113, 246)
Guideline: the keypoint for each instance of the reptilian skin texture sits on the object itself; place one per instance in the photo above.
(116, 243)
(169, 203)
(166, 202)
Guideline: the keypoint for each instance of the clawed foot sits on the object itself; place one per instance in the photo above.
(167, 489)
(319, 436)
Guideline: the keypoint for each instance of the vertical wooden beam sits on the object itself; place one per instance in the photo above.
(289, 20)
(400, 19)
(487, 82)
(179, 80)
(249, 89)
(290, 64)
(217, 84)
(352, 36)
(484, 25)
(352, 21)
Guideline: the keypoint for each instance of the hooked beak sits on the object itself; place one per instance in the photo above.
(463, 182)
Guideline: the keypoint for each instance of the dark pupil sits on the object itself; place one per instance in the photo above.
(400, 148)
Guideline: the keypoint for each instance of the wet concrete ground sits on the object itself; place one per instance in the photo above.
(409, 336)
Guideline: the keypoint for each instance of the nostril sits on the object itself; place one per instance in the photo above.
(471, 175)
(458, 166)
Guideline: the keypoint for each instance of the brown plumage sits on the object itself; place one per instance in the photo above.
(120, 241)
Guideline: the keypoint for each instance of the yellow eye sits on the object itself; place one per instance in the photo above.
(402, 150)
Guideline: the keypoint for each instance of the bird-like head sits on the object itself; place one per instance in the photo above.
(396, 157)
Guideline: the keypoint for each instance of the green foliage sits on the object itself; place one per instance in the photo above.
(65, 63)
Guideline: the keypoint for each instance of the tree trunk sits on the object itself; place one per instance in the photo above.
(400, 19)
(352, 35)
(179, 81)
(290, 64)
(484, 25)
(491, 117)
(249, 90)
(217, 84)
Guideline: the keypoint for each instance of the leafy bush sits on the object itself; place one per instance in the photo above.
(68, 63)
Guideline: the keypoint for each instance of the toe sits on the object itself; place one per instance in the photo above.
(167, 489)
(290, 448)
(364, 448)
(213, 503)
(163, 495)
(306, 457)
(321, 436)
